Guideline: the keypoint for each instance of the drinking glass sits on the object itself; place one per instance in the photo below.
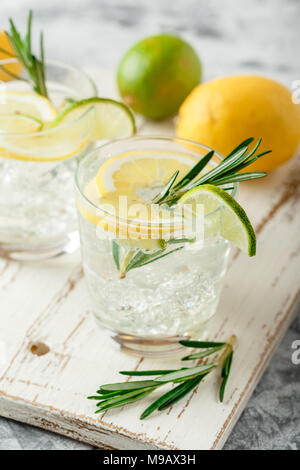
(37, 210)
(172, 298)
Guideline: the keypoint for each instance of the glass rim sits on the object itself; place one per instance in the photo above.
(71, 68)
(139, 138)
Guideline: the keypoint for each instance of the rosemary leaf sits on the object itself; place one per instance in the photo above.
(194, 171)
(122, 402)
(141, 257)
(227, 365)
(225, 374)
(190, 385)
(245, 143)
(94, 397)
(163, 194)
(180, 374)
(27, 41)
(107, 394)
(200, 344)
(246, 163)
(205, 353)
(128, 385)
(222, 388)
(252, 160)
(146, 372)
(224, 165)
(252, 152)
(122, 397)
(177, 392)
(159, 257)
(241, 177)
(175, 241)
(116, 254)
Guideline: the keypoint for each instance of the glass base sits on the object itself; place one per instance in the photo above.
(150, 347)
(158, 346)
(20, 252)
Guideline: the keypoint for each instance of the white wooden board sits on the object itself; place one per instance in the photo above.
(48, 302)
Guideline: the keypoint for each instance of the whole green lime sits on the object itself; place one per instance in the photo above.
(157, 74)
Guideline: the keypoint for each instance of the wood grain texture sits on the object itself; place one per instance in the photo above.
(48, 302)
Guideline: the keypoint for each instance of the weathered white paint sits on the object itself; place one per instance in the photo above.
(48, 302)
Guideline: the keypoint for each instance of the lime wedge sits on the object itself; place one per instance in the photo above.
(112, 118)
(235, 226)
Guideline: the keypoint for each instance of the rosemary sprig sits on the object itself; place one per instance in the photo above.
(137, 258)
(22, 46)
(224, 174)
(123, 393)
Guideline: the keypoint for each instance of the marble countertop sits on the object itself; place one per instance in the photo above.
(245, 36)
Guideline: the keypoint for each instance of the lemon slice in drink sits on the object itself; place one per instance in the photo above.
(235, 226)
(19, 124)
(48, 145)
(143, 173)
(112, 118)
(126, 184)
(32, 104)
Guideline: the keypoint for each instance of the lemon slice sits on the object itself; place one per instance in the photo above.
(235, 225)
(133, 179)
(112, 118)
(32, 104)
(20, 138)
(19, 124)
(60, 143)
(141, 173)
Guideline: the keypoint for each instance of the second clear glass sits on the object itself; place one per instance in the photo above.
(37, 212)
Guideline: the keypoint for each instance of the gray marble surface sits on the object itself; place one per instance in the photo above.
(236, 36)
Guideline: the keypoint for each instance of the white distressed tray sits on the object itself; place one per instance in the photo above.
(48, 302)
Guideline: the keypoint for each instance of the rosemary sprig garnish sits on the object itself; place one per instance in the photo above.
(22, 46)
(224, 174)
(122, 393)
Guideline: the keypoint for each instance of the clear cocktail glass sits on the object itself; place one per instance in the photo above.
(162, 301)
(37, 211)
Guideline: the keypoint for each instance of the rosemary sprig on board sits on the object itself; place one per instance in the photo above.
(224, 174)
(123, 393)
(34, 65)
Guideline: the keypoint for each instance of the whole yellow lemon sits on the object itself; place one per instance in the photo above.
(223, 112)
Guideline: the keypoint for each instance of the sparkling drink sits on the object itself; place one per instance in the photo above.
(158, 302)
(37, 212)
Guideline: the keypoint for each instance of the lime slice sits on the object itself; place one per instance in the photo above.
(32, 104)
(112, 118)
(19, 124)
(235, 225)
